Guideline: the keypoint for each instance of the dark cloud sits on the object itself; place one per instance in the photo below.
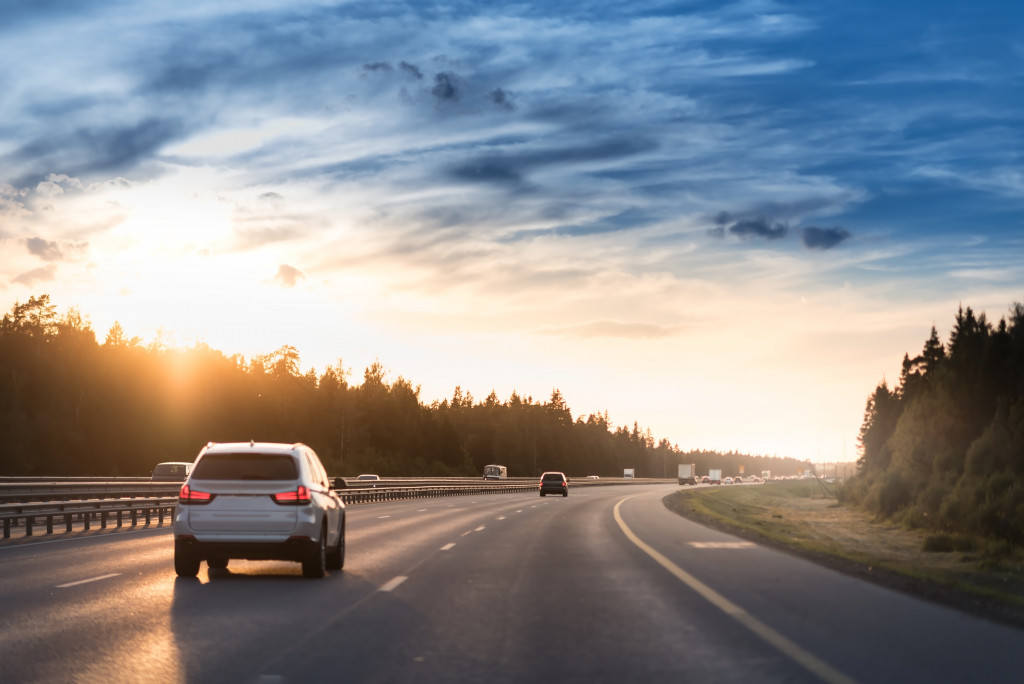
(759, 228)
(98, 149)
(411, 69)
(501, 99)
(44, 249)
(823, 238)
(747, 228)
(512, 168)
(38, 275)
(378, 66)
(445, 87)
(288, 276)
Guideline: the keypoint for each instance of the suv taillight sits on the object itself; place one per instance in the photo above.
(295, 497)
(187, 495)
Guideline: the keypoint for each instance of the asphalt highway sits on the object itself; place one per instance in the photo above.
(605, 585)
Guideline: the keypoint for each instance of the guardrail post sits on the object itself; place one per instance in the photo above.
(119, 518)
(7, 528)
(67, 522)
(103, 520)
(149, 511)
(28, 525)
(49, 524)
(87, 519)
(160, 515)
(135, 517)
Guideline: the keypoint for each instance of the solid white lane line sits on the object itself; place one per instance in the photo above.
(86, 581)
(808, 660)
(448, 547)
(393, 584)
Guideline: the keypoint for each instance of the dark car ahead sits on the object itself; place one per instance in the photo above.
(554, 483)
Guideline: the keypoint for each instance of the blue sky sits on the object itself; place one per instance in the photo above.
(724, 221)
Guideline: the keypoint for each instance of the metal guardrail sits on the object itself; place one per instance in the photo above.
(85, 512)
(91, 500)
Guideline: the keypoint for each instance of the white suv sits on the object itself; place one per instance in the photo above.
(258, 501)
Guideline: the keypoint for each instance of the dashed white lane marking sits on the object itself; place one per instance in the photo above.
(722, 545)
(500, 517)
(422, 510)
(448, 547)
(86, 581)
(381, 517)
(394, 583)
(480, 529)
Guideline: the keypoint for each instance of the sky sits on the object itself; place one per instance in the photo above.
(726, 222)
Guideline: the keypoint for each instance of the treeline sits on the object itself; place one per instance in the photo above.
(70, 405)
(944, 449)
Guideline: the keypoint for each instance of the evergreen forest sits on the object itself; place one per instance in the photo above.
(71, 406)
(944, 448)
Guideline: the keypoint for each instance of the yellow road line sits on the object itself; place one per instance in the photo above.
(821, 669)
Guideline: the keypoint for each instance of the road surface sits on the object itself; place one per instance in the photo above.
(604, 585)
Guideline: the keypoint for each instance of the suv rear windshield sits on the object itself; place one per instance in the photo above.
(245, 466)
(553, 477)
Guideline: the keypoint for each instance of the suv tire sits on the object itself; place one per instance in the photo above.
(335, 559)
(186, 564)
(314, 564)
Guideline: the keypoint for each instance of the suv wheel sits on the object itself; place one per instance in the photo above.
(313, 566)
(186, 564)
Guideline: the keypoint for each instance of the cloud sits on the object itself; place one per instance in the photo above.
(501, 99)
(749, 228)
(446, 87)
(411, 69)
(823, 238)
(606, 328)
(46, 250)
(288, 276)
(38, 275)
(100, 148)
(506, 169)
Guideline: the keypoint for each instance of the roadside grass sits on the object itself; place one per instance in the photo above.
(804, 517)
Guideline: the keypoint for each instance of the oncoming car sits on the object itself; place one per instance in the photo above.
(554, 482)
(258, 501)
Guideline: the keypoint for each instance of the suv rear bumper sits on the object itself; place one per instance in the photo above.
(295, 548)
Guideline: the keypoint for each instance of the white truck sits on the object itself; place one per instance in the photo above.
(687, 473)
(627, 473)
(715, 475)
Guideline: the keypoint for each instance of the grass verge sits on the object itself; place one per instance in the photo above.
(803, 517)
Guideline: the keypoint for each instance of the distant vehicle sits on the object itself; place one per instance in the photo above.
(171, 471)
(593, 477)
(737, 480)
(728, 480)
(715, 475)
(258, 501)
(705, 480)
(687, 473)
(495, 472)
(553, 482)
(628, 473)
(368, 477)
